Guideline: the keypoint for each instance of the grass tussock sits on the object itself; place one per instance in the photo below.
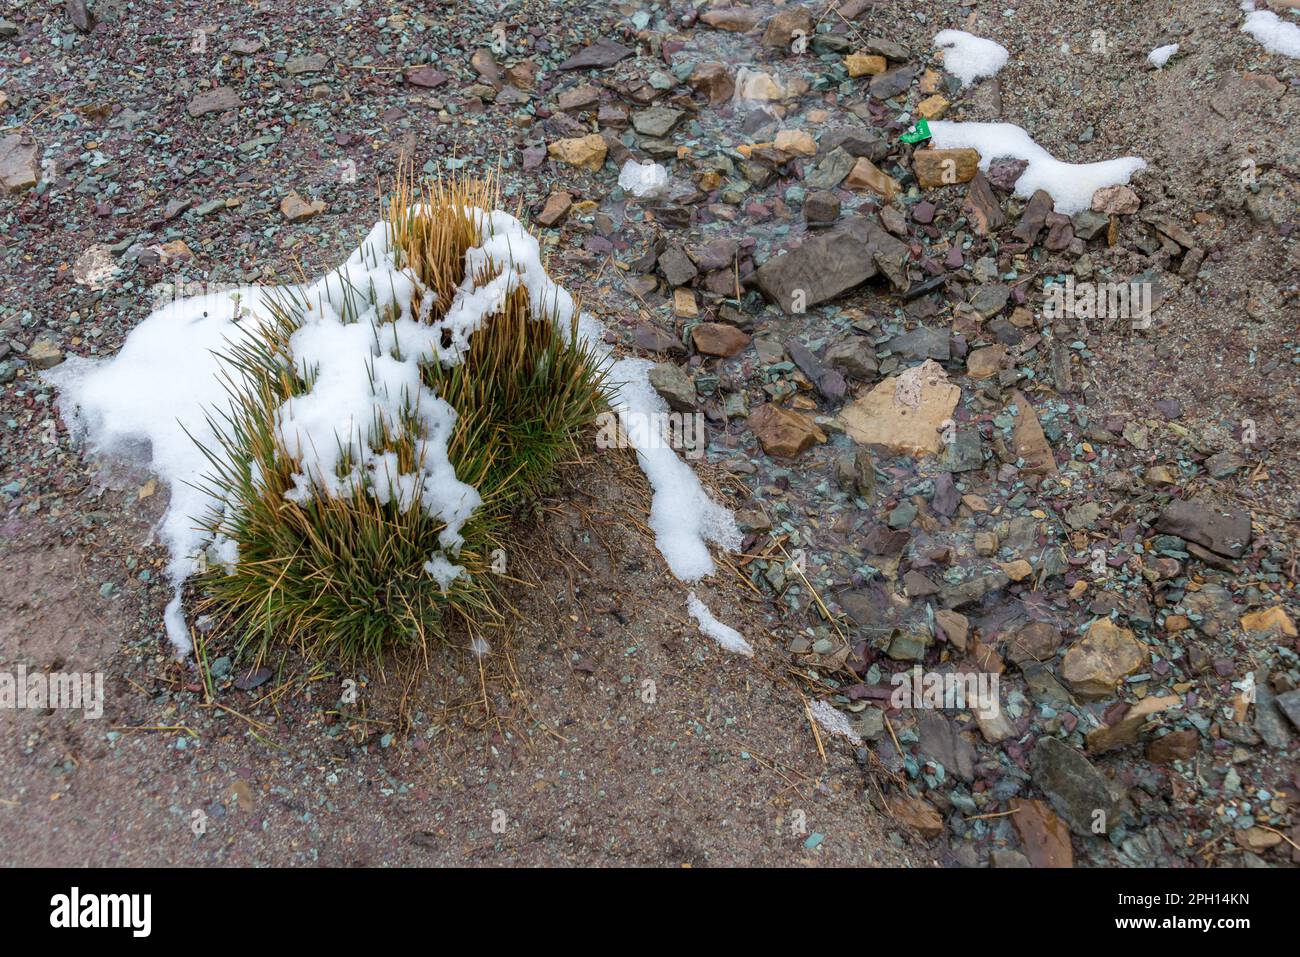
(342, 577)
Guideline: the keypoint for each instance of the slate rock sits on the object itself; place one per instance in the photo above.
(603, 53)
(828, 264)
(1076, 789)
(1223, 529)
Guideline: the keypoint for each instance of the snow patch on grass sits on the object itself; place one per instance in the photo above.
(1070, 185)
(165, 394)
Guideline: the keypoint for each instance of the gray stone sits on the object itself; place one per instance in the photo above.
(657, 121)
(311, 63)
(821, 206)
(923, 342)
(990, 299)
(1076, 789)
(44, 354)
(1268, 716)
(673, 383)
(854, 356)
(1289, 704)
(892, 82)
(677, 266)
(964, 454)
(830, 171)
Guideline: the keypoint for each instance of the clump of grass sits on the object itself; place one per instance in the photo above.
(342, 578)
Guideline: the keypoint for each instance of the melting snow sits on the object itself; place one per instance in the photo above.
(1273, 33)
(968, 57)
(833, 721)
(725, 635)
(1070, 185)
(1160, 55)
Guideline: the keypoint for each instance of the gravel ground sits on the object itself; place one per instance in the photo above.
(547, 751)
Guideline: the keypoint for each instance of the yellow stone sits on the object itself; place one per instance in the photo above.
(932, 107)
(866, 175)
(1269, 620)
(797, 142)
(864, 64)
(584, 152)
(684, 303)
(905, 413)
(1018, 570)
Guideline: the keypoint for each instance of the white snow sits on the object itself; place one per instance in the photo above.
(139, 405)
(968, 57)
(1273, 33)
(725, 635)
(683, 516)
(833, 721)
(168, 384)
(1160, 55)
(643, 180)
(1070, 185)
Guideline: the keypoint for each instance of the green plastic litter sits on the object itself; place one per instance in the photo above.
(918, 131)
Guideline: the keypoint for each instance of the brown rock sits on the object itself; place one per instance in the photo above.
(865, 175)
(956, 627)
(714, 80)
(782, 27)
(718, 339)
(578, 98)
(1258, 839)
(982, 207)
(984, 363)
(734, 19)
(1027, 439)
(1034, 217)
(295, 208)
(932, 107)
(1094, 666)
(916, 813)
(1174, 746)
(1036, 641)
(1043, 836)
(220, 100)
(486, 67)
(945, 167)
(18, 163)
(1125, 731)
(584, 152)
(557, 207)
(796, 143)
(783, 432)
(1115, 200)
(1269, 621)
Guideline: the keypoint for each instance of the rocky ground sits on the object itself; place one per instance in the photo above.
(1102, 516)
